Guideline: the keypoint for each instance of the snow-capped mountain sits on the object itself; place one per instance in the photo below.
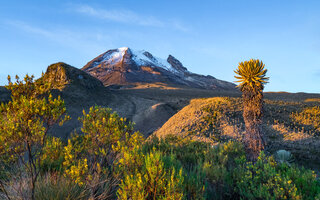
(125, 66)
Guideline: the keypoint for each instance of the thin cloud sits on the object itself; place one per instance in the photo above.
(317, 74)
(73, 39)
(129, 17)
(179, 26)
(123, 16)
(28, 28)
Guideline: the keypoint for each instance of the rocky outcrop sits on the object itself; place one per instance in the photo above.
(61, 75)
(125, 66)
(176, 64)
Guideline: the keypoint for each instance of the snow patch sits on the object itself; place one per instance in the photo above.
(112, 57)
(140, 59)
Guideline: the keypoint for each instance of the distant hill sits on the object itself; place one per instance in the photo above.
(61, 75)
(125, 66)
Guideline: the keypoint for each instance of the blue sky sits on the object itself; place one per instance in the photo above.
(208, 37)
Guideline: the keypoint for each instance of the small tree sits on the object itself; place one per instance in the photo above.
(24, 124)
(91, 157)
(252, 77)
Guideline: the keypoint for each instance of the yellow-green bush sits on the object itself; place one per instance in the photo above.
(180, 153)
(53, 155)
(24, 123)
(152, 181)
(90, 158)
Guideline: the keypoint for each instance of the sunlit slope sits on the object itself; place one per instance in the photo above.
(286, 124)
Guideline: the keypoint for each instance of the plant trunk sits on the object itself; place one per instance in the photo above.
(252, 114)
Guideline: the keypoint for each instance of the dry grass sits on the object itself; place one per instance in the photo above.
(313, 100)
(162, 86)
(191, 120)
(309, 116)
(17, 187)
(50, 186)
(288, 135)
(303, 146)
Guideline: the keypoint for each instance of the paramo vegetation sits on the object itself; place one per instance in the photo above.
(109, 160)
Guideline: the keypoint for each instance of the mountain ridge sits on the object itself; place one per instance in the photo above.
(126, 66)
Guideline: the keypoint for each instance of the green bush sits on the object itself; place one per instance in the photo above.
(219, 164)
(187, 151)
(305, 180)
(223, 172)
(267, 180)
(195, 183)
(153, 180)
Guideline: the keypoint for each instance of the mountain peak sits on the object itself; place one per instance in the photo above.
(176, 64)
(126, 66)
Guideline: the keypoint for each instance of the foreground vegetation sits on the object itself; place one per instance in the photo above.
(169, 168)
(109, 160)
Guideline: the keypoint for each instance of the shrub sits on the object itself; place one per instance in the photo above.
(219, 165)
(152, 181)
(187, 151)
(305, 181)
(267, 180)
(90, 158)
(183, 153)
(24, 124)
(195, 183)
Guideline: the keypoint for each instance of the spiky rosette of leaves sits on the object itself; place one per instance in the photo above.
(251, 74)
